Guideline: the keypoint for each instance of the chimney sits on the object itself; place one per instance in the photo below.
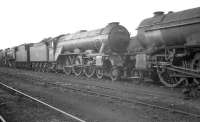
(114, 23)
(158, 13)
(170, 12)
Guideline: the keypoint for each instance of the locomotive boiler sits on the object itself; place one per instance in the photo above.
(113, 36)
(93, 52)
(171, 29)
(173, 42)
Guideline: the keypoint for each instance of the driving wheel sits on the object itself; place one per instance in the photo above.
(67, 69)
(169, 78)
(99, 73)
(77, 68)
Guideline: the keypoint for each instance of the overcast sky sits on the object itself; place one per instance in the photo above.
(25, 21)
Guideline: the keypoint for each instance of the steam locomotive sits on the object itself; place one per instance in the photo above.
(98, 52)
(172, 43)
(166, 48)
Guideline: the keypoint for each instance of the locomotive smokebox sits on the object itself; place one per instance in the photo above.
(118, 37)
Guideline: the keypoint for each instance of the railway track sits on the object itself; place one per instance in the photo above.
(2, 119)
(13, 90)
(135, 101)
(113, 97)
(136, 90)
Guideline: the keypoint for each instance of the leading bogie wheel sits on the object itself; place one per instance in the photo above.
(115, 74)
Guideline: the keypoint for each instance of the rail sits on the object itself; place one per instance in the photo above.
(134, 101)
(2, 119)
(46, 104)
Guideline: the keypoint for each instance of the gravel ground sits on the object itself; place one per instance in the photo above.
(95, 108)
(19, 109)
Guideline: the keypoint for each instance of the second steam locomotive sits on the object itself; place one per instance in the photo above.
(172, 43)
